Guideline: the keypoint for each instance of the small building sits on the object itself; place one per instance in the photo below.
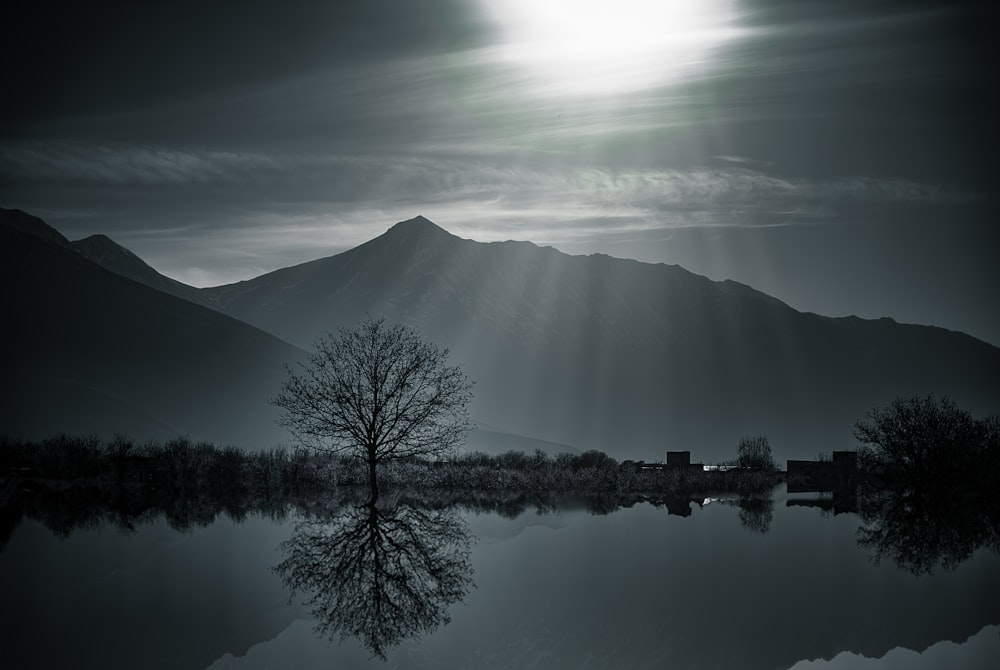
(678, 459)
(846, 461)
(837, 473)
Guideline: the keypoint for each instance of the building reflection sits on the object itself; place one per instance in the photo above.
(380, 572)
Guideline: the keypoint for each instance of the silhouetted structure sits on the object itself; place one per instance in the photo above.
(838, 473)
(675, 460)
(678, 459)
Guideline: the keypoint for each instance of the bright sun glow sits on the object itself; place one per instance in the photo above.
(611, 46)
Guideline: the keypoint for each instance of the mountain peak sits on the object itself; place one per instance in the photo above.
(419, 219)
(418, 224)
(102, 242)
(106, 252)
(112, 256)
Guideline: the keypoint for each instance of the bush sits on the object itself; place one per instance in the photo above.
(923, 435)
(754, 453)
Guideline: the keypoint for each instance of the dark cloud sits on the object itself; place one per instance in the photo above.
(68, 58)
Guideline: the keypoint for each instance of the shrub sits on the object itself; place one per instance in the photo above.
(754, 453)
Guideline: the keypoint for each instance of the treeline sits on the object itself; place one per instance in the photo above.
(69, 483)
(181, 465)
(592, 471)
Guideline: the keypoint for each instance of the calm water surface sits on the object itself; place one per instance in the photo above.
(638, 588)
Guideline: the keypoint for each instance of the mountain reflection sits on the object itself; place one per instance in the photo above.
(379, 572)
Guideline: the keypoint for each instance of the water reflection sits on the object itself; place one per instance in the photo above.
(566, 587)
(756, 514)
(922, 526)
(379, 572)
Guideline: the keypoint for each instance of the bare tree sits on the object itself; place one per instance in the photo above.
(379, 392)
(754, 453)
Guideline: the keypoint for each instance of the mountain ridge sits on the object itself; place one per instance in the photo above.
(87, 351)
(112, 256)
(589, 350)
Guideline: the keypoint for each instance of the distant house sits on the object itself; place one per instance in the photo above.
(678, 459)
(837, 473)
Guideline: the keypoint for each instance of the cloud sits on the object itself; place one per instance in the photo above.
(52, 160)
(315, 204)
(565, 208)
(736, 196)
(443, 179)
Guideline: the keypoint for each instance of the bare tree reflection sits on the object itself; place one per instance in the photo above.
(380, 573)
(756, 514)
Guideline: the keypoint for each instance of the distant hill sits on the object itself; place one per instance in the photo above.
(110, 255)
(85, 350)
(493, 441)
(631, 358)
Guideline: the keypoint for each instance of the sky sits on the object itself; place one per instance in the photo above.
(836, 154)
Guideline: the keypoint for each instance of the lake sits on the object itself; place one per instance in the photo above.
(765, 585)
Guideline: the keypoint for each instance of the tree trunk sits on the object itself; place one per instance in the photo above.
(372, 479)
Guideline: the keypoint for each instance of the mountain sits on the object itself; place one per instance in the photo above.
(85, 351)
(15, 220)
(631, 358)
(110, 255)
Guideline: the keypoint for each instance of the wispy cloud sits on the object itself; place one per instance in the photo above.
(442, 179)
(565, 209)
(562, 194)
(316, 205)
(125, 164)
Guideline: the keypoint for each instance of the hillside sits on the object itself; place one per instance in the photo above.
(88, 351)
(110, 255)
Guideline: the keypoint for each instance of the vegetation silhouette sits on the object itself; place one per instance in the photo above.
(754, 453)
(378, 393)
(71, 483)
(756, 509)
(756, 514)
(923, 532)
(380, 572)
(930, 475)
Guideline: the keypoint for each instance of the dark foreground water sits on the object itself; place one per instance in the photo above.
(725, 587)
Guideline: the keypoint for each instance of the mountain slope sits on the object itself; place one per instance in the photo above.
(628, 357)
(110, 255)
(87, 351)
